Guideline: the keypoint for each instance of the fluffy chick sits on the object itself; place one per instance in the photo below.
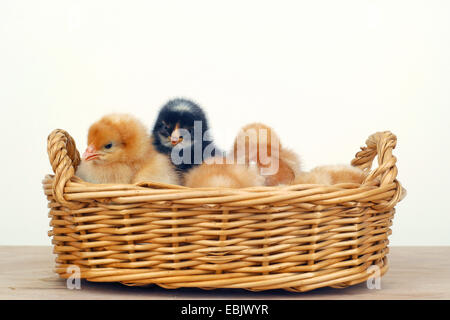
(120, 151)
(332, 174)
(181, 132)
(258, 143)
(221, 174)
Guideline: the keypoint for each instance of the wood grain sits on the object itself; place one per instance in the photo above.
(414, 273)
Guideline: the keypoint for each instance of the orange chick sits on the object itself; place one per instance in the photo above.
(332, 174)
(258, 143)
(120, 151)
(217, 173)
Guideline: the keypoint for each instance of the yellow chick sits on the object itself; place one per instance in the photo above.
(120, 151)
(332, 174)
(217, 173)
(258, 143)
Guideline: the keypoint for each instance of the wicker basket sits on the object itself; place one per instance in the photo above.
(297, 238)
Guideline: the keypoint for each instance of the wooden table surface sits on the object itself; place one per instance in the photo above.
(414, 273)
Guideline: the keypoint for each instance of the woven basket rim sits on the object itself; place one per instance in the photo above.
(62, 152)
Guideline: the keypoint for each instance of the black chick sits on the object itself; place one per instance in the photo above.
(181, 131)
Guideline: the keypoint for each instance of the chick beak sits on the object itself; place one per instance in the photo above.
(90, 153)
(175, 137)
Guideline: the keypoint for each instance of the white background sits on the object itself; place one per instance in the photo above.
(324, 74)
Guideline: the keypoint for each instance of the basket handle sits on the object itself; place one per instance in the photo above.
(64, 159)
(381, 144)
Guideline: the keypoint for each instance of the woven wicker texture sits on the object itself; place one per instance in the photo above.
(297, 238)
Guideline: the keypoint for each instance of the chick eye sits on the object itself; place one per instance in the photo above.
(108, 146)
